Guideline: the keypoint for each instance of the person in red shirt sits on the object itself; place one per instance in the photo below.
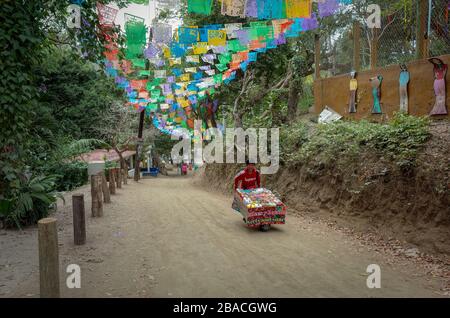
(247, 179)
(184, 168)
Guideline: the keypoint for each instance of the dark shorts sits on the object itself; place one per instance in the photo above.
(235, 205)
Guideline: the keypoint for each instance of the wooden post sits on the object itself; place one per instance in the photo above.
(105, 189)
(125, 176)
(137, 168)
(100, 194)
(48, 258)
(112, 181)
(79, 220)
(427, 13)
(317, 56)
(374, 49)
(96, 196)
(356, 46)
(118, 178)
(426, 47)
(421, 31)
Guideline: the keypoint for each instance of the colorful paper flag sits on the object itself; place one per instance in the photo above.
(199, 6)
(234, 8)
(298, 8)
(217, 37)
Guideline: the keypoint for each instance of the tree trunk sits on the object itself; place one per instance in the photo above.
(112, 181)
(295, 90)
(161, 166)
(123, 162)
(237, 120)
(118, 176)
(123, 170)
(125, 175)
(213, 121)
(105, 189)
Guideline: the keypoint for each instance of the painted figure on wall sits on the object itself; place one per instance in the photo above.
(404, 80)
(353, 89)
(376, 92)
(440, 71)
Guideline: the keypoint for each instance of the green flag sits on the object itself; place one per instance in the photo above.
(200, 6)
(139, 1)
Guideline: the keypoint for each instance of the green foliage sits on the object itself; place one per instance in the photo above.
(292, 138)
(403, 138)
(306, 102)
(111, 164)
(70, 175)
(21, 42)
(81, 146)
(164, 144)
(27, 28)
(270, 112)
(337, 140)
(61, 160)
(75, 94)
(29, 200)
(341, 143)
(49, 95)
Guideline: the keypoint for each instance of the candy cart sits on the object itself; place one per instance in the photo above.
(260, 208)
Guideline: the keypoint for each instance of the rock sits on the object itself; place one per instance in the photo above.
(93, 260)
(412, 252)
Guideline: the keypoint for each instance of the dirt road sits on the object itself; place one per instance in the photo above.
(165, 237)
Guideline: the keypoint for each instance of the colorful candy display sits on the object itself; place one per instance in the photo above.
(260, 206)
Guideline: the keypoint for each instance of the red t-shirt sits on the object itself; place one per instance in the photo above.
(247, 180)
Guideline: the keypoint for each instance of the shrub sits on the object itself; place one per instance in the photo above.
(292, 139)
(340, 143)
(70, 175)
(30, 200)
(402, 139)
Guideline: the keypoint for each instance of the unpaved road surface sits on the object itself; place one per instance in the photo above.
(164, 237)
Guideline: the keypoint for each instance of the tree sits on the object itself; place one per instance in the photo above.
(28, 28)
(42, 110)
(118, 128)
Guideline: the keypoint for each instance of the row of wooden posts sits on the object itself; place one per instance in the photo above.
(101, 191)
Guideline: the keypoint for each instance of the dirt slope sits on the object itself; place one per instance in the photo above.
(165, 237)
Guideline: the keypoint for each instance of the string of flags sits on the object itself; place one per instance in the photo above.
(259, 9)
(175, 75)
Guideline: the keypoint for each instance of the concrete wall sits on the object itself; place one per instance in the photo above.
(334, 92)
